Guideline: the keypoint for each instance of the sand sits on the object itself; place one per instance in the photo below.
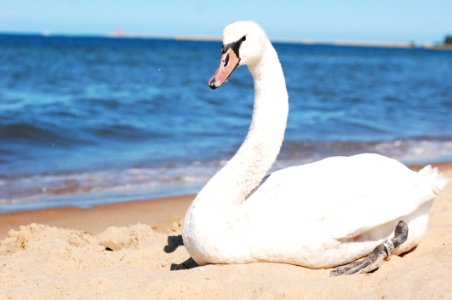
(116, 252)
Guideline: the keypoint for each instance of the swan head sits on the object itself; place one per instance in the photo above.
(244, 43)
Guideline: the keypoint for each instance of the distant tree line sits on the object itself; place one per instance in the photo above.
(448, 40)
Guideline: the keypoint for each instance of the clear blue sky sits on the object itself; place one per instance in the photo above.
(377, 20)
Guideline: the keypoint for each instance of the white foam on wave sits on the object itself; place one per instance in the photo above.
(113, 185)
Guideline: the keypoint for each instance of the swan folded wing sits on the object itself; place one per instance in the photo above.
(399, 194)
(343, 197)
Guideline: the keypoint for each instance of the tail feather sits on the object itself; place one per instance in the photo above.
(438, 181)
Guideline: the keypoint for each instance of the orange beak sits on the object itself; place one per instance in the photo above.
(229, 61)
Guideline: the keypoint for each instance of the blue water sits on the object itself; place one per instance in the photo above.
(86, 120)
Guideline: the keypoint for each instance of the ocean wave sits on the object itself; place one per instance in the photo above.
(35, 134)
(23, 190)
(409, 151)
(87, 188)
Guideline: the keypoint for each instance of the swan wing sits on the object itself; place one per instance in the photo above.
(343, 197)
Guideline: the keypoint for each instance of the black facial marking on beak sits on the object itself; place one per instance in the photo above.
(235, 46)
(226, 60)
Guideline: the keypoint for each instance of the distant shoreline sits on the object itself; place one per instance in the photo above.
(200, 38)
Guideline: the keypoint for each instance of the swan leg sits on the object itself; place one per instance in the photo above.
(375, 258)
(188, 264)
(174, 241)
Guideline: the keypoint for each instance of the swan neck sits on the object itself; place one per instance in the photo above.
(245, 171)
(266, 133)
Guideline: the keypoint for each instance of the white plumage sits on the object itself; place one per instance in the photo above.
(317, 215)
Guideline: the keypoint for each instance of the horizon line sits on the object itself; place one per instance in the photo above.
(207, 38)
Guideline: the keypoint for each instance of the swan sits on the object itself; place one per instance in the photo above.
(318, 215)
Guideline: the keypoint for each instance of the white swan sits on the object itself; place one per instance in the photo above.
(317, 215)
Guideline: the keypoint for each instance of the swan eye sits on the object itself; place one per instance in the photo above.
(226, 60)
(234, 46)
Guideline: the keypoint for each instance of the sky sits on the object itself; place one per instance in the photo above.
(418, 21)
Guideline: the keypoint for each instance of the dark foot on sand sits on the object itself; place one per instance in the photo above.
(174, 241)
(188, 264)
(371, 262)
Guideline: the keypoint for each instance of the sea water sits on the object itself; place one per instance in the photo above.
(89, 120)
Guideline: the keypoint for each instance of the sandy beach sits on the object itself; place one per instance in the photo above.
(116, 252)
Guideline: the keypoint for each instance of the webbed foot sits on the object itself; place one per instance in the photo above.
(188, 264)
(174, 241)
(371, 262)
